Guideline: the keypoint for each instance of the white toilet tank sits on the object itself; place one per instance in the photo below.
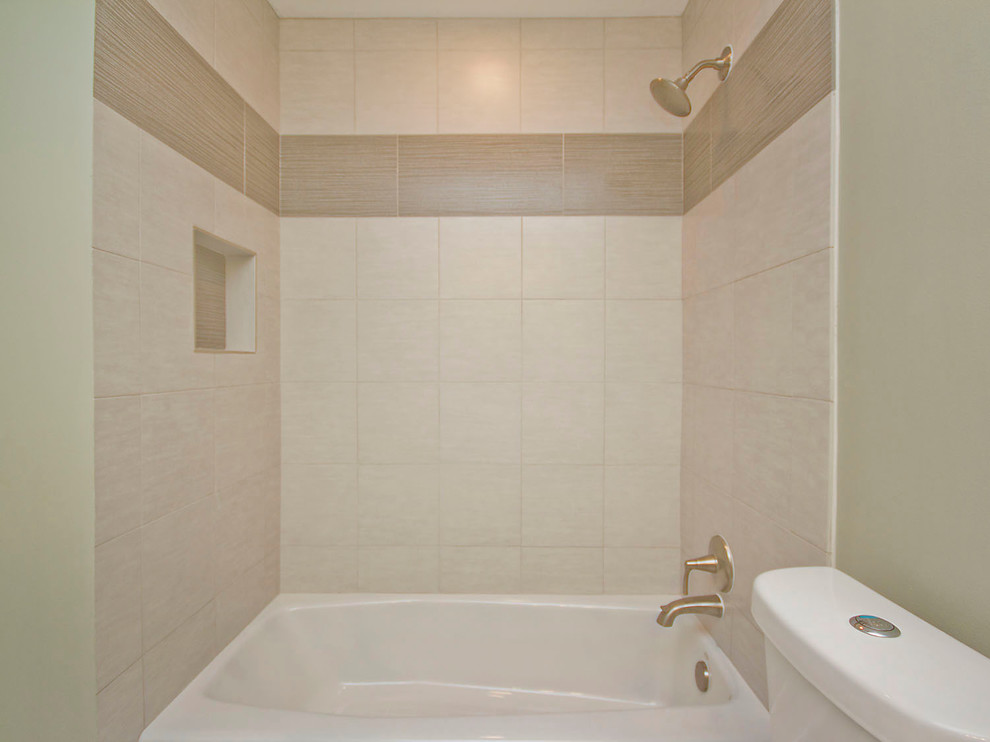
(891, 677)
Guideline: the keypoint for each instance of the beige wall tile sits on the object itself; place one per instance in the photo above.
(629, 106)
(398, 258)
(246, 438)
(643, 257)
(396, 91)
(169, 666)
(319, 569)
(707, 440)
(118, 606)
(319, 259)
(562, 505)
(398, 423)
(240, 531)
(708, 338)
(469, 242)
(747, 654)
(194, 20)
(650, 571)
(563, 340)
(316, 34)
(120, 707)
(563, 257)
(116, 183)
(176, 196)
(319, 423)
(244, 222)
(399, 505)
(781, 455)
(479, 505)
(319, 340)
(319, 505)
(395, 33)
(118, 466)
(177, 459)
(562, 571)
(243, 599)
(399, 569)
(479, 569)
(247, 53)
(177, 571)
(642, 506)
(116, 325)
(562, 33)
(643, 33)
(563, 423)
(480, 340)
(259, 367)
(168, 359)
(642, 423)
(782, 340)
(317, 92)
(643, 341)
(398, 340)
(480, 423)
(562, 90)
(479, 91)
(478, 33)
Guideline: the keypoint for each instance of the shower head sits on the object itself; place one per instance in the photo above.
(672, 94)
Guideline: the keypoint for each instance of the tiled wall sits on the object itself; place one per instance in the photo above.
(758, 260)
(187, 444)
(475, 76)
(481, 404)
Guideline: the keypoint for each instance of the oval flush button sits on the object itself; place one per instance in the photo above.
(875, 626)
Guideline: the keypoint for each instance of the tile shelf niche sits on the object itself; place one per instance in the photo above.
(225, 295)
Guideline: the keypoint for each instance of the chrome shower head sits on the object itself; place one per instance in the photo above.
(672, 94)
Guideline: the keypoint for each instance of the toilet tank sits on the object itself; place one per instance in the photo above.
(891, 677)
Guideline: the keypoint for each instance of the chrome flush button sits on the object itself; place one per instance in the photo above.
(875, 626)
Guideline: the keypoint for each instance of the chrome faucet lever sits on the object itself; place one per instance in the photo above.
(718, 563)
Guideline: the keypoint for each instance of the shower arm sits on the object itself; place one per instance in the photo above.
(722, 64)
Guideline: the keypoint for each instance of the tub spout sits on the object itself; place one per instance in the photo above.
(707, 605)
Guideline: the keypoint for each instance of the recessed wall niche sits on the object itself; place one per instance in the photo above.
(224, 275)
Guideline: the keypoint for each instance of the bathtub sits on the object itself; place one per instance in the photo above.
(315, 668)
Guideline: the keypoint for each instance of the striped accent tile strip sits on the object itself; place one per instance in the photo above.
(149, 74)
(339, 176)
(786, 71)
(622, 174)
(261, 155)
(211, 299)
(481, 175)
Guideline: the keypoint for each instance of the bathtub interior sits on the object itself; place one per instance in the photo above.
(426, 658)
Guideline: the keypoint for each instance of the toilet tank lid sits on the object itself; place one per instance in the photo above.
(923, 686)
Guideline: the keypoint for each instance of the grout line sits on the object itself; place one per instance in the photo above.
(756, 273)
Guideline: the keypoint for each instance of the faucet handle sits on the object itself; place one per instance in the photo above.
(718, 563)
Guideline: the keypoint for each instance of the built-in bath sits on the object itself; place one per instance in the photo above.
(432, 667)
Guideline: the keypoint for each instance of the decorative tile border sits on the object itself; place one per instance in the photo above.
(149, 74)
(482, 175)
(786, 70)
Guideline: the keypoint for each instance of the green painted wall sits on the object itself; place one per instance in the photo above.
(914, 307)
(47, 679)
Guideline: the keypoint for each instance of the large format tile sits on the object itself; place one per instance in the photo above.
(398, 258)
(398, 505)
(319, 340)
(629, 105)
(246, 439)
(479, 569)
(480, 340)
(479, 91)
(642, 423)
(562, 505)
(177, 451)
(319, 259)
(642, 506)
(480, 423)
(398, 423)
(319, 423)
(116, 183)
(118, 606)
(562, 90)
(116, 325)
(120, 707)
(317, 92)
(563, 340)
(117, 428)
(562, 570)
(643, 257)
(563, 423)
(563, 257)
(319, 504)
(399, 569)
(398, 341)
(395, 91)
(479, 505)
(643, 341)
(469, 242)
(177, 567)
(173, 663)
(319, 569)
